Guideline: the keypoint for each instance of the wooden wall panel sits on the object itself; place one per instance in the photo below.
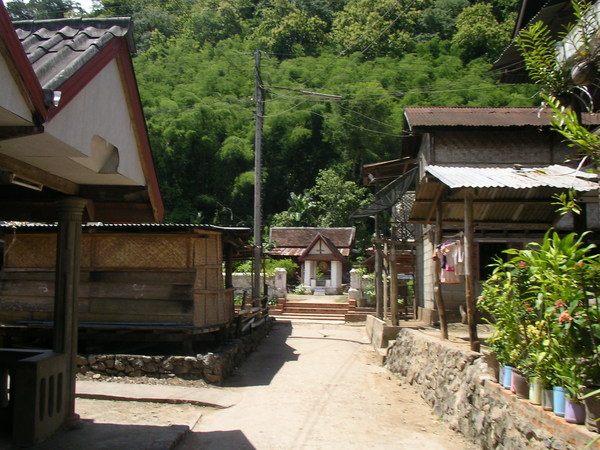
(27, 251)
(127, 278)
(130, 251)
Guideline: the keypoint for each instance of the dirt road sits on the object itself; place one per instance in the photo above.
(318, 386)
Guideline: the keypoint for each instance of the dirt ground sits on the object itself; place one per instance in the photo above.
(318, 386)
(309, 386)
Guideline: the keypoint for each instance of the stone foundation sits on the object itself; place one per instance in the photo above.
(460, 386)
(211, 367)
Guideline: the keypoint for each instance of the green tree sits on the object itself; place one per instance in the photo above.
(376, 27)
(288, 31)
(215, 20)
(439, 19)
(479, 34)
(43, 9)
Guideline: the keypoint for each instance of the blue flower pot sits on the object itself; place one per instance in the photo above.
(558, 400)
(507, 377)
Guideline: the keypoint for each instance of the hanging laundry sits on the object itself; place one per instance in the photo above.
(451, 257)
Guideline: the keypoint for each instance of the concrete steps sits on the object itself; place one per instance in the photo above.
(310, 311)
(320, 311)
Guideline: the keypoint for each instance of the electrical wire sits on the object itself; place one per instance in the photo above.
(403, 134)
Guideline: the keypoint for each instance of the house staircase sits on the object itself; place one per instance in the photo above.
(319, 311)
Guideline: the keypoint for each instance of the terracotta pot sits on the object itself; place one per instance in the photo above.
(520, 384)
(535, 392)
(592, 409)
(574, 411)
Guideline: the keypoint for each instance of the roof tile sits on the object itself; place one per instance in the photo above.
(58, 48)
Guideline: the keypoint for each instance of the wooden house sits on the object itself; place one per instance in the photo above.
(322, 252)
(487, 178)
(148, 281)
(73, 147)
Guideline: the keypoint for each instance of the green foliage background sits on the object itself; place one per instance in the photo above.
(195, 70)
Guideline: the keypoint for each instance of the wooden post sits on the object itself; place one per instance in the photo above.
(470, 272)
(66, 292)
(228, 266)
(437, 284)
(384, 279)
(378, 286)
(393, 280)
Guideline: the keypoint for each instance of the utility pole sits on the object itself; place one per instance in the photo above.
(259, 102)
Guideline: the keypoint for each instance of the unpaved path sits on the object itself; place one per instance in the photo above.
(318, 386)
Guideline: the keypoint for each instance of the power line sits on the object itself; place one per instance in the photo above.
(403, 134)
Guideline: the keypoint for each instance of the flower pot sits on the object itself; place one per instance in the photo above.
(592, 409)
(520, 386)
(507, 377)
(547, 399)
(500, 374)
(535, 392)
(558, 401)
(574, 411)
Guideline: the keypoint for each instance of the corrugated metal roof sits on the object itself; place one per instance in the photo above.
(555, 176)
(124, 226)
(58, 48)
(490, 117)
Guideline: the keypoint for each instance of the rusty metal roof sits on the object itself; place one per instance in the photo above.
(555, 176)
(483, 117)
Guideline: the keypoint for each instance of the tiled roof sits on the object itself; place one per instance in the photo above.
(302, 237)
(490, 117)
(57, 49)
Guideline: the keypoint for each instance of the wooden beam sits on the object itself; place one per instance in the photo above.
(491, 223)
(384, 278)
(516, 201)
(378, 271)
(435, 204)
(393, 280)
(437, 284)
(10, 164)
(470, 272)
(17, 132)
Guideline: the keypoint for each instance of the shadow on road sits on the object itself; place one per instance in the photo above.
(218, 440)
(102, 436)
(263, 364)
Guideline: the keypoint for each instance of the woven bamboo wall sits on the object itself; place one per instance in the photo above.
(165, 278)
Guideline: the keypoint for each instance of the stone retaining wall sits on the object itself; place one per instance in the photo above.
(460, 387)
(211, 367)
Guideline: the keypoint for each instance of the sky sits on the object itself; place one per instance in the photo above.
(86, 4)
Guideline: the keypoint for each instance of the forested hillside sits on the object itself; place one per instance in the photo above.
(196, 74)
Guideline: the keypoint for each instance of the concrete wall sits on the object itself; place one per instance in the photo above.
(460, 386)
(378, 332)
(243, 282)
